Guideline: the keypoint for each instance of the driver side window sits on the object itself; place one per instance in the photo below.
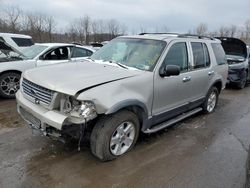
(61, 53)
(177, 55)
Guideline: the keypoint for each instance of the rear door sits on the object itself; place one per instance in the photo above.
(201, 72)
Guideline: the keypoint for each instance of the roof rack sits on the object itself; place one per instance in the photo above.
(181, 35)
(159, 33)
(195, 36)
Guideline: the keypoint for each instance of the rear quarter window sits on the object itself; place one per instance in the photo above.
(22, 42)
(219, 53)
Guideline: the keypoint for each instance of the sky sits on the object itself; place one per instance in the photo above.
(152, 15)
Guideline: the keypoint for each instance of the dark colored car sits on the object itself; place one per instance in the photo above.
(237, 58)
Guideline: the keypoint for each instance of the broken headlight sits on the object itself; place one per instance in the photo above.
(78, 110)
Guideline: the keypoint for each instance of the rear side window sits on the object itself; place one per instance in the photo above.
(22, 42)
(200, 55)
(219, 53)
(80, 52)
(177, 55)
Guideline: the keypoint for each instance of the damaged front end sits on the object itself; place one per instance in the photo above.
(64, 117)
(237, 58)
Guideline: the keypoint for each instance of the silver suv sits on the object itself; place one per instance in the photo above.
(136, 83)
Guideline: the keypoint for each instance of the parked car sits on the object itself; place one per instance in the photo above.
(13, 62)
(237, 58)
(17, 41)
(141, 83)
(96, 45)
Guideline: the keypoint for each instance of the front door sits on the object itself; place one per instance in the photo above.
(55, 56)
(172, 94)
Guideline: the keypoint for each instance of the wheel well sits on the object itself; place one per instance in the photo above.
(8, 71)
(218, 85)
(141, 114)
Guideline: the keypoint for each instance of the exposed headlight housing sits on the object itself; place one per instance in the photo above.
(78, 111)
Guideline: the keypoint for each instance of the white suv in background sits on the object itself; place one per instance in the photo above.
(17, 41)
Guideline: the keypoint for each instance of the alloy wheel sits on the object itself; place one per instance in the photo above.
(122, 138)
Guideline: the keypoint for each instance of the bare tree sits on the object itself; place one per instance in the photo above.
(36, 24)
(247, 30)
(13, 15)
(232, 30)
(143, 29)
(113, 28)
(224, 31)
(77, 28)
(201, 29)
(86, 25)
(123, 29)
(50, 26)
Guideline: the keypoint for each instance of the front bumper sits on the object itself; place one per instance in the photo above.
(235, 75)
(37, 116)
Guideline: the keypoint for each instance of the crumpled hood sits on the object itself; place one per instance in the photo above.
(71, 78)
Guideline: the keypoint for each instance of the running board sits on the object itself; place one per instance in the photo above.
(172, 121)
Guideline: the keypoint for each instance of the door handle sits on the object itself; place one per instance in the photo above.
(210, 73)
(186, 79)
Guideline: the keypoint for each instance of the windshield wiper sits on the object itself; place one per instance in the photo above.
(119, 64)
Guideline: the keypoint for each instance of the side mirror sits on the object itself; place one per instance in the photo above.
(170, 70)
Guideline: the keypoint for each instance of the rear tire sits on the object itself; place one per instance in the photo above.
(211, 100)
(114, 135)
(9, 84)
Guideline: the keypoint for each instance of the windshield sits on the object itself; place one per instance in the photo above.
(33, 51)
(142, 54)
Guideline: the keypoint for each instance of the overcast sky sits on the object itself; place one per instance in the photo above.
(177, 15)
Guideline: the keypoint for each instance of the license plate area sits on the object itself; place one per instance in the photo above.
(36, 123)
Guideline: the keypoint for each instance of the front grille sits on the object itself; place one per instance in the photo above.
(38, 93)
(30, 118)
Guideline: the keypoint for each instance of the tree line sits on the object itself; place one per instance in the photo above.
(241, 32)
(44, 28)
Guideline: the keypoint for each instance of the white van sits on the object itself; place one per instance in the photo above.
(17, 41)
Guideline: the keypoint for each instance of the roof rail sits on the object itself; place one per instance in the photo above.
(181, 35)
(159, 33)
(195, 36)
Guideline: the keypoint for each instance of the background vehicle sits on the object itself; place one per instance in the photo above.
(237, 58)
(17, 41)
(13, 63)
(138, 83)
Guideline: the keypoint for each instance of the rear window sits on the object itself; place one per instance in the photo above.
(22, 42)
(219, 53)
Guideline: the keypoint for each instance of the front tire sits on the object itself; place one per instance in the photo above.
(211, 100)
(114, 135)
(9, 84)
